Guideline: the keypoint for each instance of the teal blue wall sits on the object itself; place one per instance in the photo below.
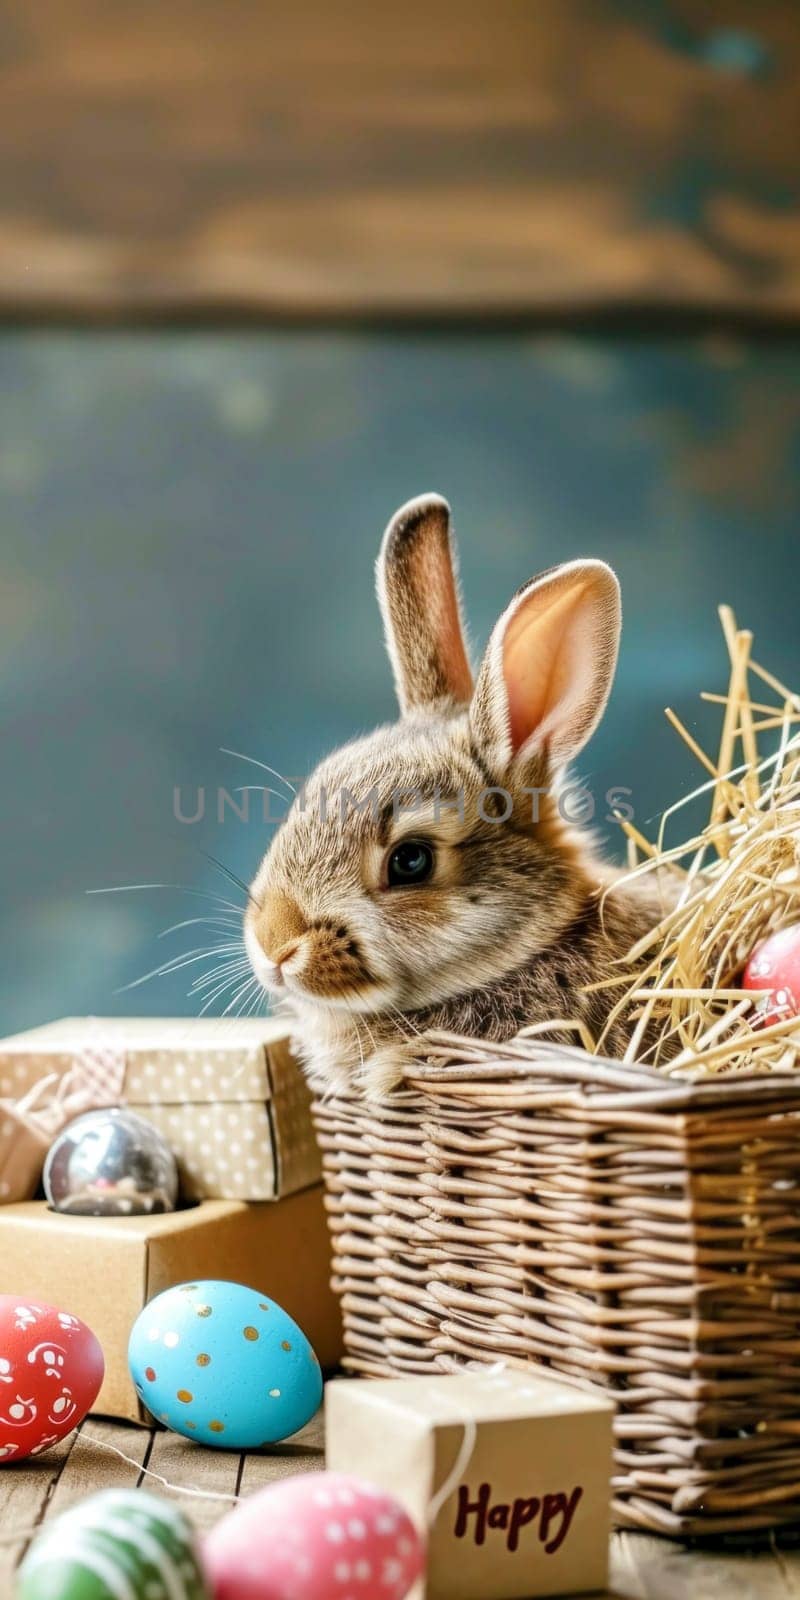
(189, 523)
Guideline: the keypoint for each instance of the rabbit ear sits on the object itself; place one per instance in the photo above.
(548, 668)
(419, 601)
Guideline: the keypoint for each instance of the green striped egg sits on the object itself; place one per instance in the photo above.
(123, 1544)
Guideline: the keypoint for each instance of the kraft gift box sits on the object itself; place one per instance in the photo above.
(524, 1463)
(226, 1093)
(105, 1269)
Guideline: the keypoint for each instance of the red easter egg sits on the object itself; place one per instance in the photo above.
(320, 1536)
(51, 1369)
(775, 965)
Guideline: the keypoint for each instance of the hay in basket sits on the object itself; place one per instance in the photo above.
(630, 1224)
(741, 881)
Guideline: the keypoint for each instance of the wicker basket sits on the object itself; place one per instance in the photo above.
(529, 1203)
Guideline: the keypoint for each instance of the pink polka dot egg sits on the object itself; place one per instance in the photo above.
(319, 1536)
(224, 1364)
(774, 966)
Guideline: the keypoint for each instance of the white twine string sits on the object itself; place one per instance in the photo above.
(465, 1453)
(435, 1504)
(21, 1534)
(174, 1488)
(457, 1471)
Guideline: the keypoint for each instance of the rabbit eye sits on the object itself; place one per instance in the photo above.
(409, 862)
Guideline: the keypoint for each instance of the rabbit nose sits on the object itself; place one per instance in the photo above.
(281, 926)
(286, 952)
(278, 977)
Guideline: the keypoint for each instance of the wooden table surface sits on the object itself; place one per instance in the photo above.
(434, 158)
(642, 1568)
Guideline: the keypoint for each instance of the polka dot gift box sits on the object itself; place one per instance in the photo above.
(226, 1093)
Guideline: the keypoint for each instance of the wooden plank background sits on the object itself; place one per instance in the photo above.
(441, 157)
(641, 1568)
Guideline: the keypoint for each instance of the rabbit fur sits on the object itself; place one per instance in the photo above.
(503, 916)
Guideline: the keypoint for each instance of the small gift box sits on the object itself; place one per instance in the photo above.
(507, 1473)
(226, 1093)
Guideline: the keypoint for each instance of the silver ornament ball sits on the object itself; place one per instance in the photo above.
(110, 1163)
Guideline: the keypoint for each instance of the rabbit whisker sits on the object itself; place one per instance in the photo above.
(239, 1003)
(255, 1001)
(262, 764)
(176, 964)
(370, 1033)
(358, 1035)
(230, 972)
(221, 990)
(182, 888)
(235, 966)
(261, 788)
(238, 997)
(240, 883)
(404, 1021)
(222, 923)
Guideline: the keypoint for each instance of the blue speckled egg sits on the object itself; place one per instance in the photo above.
(223, 1364)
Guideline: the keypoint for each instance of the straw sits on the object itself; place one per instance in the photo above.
(680, 984)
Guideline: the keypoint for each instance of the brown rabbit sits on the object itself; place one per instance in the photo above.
(425, 877)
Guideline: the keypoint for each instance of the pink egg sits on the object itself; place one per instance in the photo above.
(775, 965)
(320, 1536)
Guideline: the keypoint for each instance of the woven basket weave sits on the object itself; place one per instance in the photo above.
(529, 1203)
